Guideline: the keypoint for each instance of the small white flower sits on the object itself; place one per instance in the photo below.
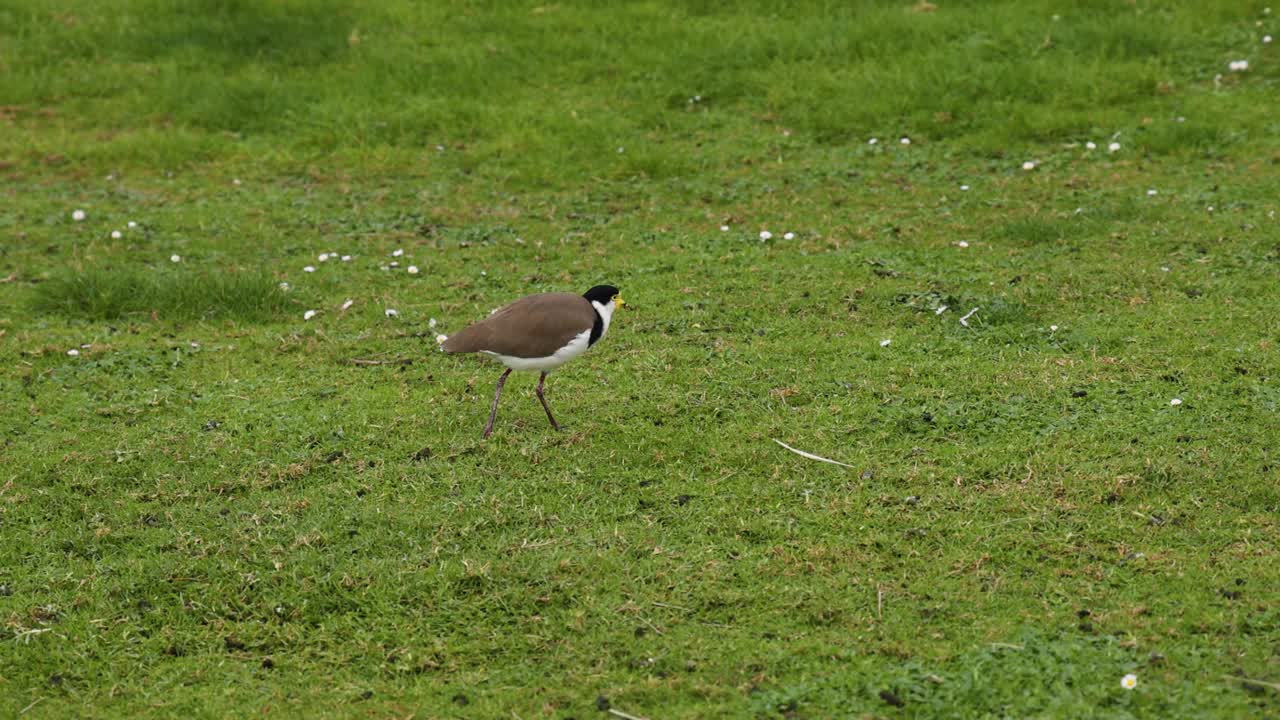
(308, 314)
(395, 263)
(905, 141)
(132, 224)
(73, 352)
(1175, 402)
(347, 305)
(1028, 165)
(1113, 147)
(1238, 65)
(116, 234)
(1129, 682)
(78, 215)
(484, 273)
(1053, 328)
(397, 252)
(235, 181)
(789, 236)
(346, 258)
(766, 235)
(1153, 191)
(324, 257)
(873, 141)
(309, 268)
(964, 188)
(431, 323)
(963, 244)
(1180, 119)
(885, 343)
(1091, 145)
(1266, 39)
(284, 286)
(1164, 268)
(413, 269)
(392, 312)
(621, 150)
(175, 258)
(724, 228)
(1210, 208)
(441, 338)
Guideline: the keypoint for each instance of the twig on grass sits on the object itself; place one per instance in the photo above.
(811, 456)
(965, 320)
(1251, 681)
(625, 716)
(370, 361)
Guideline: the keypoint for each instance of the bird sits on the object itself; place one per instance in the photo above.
(538, 332)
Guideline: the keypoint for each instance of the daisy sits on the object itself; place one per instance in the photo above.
(175, 258)
(308, 314)
(413, 269)
(1129, 682)
(309, 268)
(397, 252)
(1028, 165)
(1175, 402)
(766, 235)
(116, 234)
(1113, 147)
(78, 215)
(789, 236)
(392, 312)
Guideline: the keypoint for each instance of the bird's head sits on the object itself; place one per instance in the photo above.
(605, 295)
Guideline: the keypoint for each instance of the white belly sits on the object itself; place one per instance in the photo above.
(576, 347)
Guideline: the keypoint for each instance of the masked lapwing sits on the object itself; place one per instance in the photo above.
(538, 332)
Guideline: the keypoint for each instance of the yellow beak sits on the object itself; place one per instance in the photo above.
(617, 300)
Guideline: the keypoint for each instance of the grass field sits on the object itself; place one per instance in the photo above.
(208, 509)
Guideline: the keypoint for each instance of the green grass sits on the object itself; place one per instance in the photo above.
(110, 294)
(211, 511)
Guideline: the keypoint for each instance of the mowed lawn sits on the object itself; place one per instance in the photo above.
(1015, 264)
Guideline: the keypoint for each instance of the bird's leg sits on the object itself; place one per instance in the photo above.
(493, 409)
(543, 398)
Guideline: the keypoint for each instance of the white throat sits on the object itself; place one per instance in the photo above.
(606, 314)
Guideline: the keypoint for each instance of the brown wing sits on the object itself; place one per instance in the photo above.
(531, 327)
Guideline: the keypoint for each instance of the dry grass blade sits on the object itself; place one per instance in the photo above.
(811, 456)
